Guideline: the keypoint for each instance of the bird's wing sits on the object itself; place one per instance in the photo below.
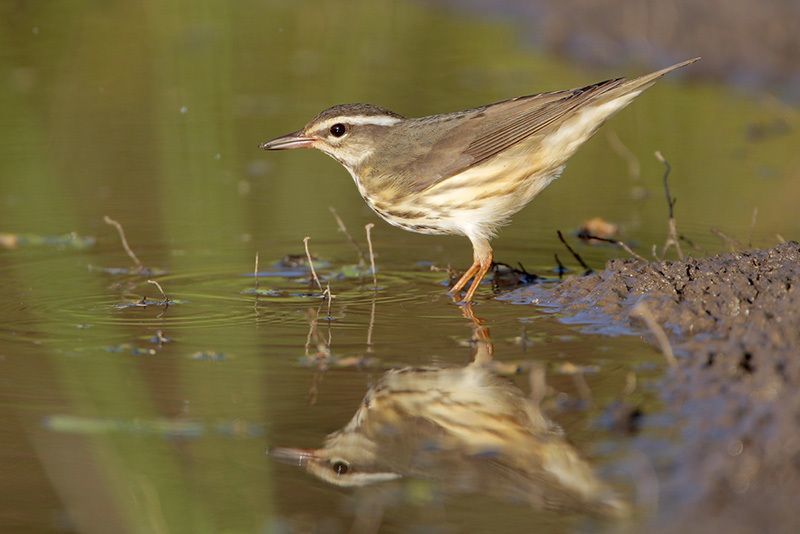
(488, 131)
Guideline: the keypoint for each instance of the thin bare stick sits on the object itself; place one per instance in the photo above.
(672, 235)
(368, 228)
(634, 169)
(311, 263)
(328, 296)
(574, 254)
(121, 232)
(620, 244)
(561, 268)
(689, 242)
(166, 300)
(371, 323)
(255, 272)
(752, 227)
(643, 312)
(342, 228)
(733, 244)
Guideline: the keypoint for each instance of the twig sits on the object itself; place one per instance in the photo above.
(733, 244)
(255, 272)
(328, 296)
(643, 312)
(121, 232)
(574, 254)
(689, 242)
(166, 300)
(561, 268)
(752, 227)
(672, 236)
(368, 228)
(371, 323)
(342, 228)
(634, 169)
(621, 244)
(311, 263)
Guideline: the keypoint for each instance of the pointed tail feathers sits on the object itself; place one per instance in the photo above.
(643, 82)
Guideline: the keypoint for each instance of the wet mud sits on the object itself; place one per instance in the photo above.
(733, 397)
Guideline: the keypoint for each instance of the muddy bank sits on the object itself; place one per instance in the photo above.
(733, 321)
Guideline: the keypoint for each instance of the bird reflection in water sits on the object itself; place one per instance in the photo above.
(466, 429)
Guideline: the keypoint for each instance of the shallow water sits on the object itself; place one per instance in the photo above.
(152, 114)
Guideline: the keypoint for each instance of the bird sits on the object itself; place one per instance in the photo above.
(464, 429)
(465, 172)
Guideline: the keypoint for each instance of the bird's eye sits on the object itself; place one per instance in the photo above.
(340, 468)
(338, 129)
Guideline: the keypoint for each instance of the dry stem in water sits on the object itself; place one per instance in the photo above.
(575, 255)
(371, 324)
(620, 244)
(121, 232)
(342, 228)
(311, 263)
(166, 300)
(368, 228)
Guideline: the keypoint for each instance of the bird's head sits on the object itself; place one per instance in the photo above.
(348, 133)
(346, 460)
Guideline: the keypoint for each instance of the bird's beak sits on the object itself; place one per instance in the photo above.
(292, 140)
(298, 457)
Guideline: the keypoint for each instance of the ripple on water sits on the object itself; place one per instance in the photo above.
(212, 298)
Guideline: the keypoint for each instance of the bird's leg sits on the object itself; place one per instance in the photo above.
(458, 286)
(485, 265)
(483, 259)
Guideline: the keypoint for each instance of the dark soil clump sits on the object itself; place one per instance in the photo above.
(734, 323)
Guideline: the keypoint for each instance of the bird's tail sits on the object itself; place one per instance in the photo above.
(590, 107)
(643, 82)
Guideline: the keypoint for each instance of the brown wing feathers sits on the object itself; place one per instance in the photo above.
(518, 126)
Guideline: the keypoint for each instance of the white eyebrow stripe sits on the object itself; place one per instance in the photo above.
(359, 120)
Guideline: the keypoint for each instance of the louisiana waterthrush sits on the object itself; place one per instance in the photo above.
(465, 172)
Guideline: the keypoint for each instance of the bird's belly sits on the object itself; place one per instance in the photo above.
(479, 202)
(409, 216)
(473, 203)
